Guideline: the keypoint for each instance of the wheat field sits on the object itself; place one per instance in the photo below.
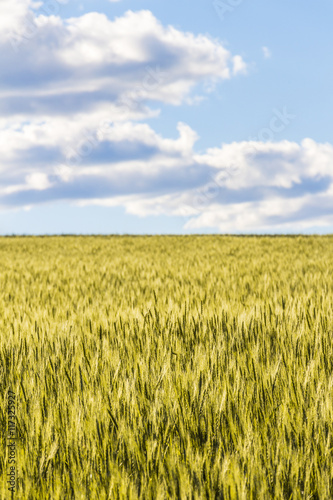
(194, 367)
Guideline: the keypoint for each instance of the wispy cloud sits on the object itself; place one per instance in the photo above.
(266, 52)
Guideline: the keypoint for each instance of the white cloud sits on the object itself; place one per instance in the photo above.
(267, 53)
(71, 101)
(245, 186)
(239, 66)
(73, 90)
(57, 66)
(38, 181)
(283, 185)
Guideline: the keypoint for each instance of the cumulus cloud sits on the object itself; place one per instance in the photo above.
(14, 15)
(248, 185)
(239, 66)
(55, 66)
(252, 187)
(73, 102)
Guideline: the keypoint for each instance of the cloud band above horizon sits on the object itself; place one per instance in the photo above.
(75, 100)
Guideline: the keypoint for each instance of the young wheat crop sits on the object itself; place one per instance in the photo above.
(195, 367)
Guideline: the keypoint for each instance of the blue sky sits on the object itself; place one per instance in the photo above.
(165, 117)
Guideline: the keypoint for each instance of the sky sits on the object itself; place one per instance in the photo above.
(155, 117)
